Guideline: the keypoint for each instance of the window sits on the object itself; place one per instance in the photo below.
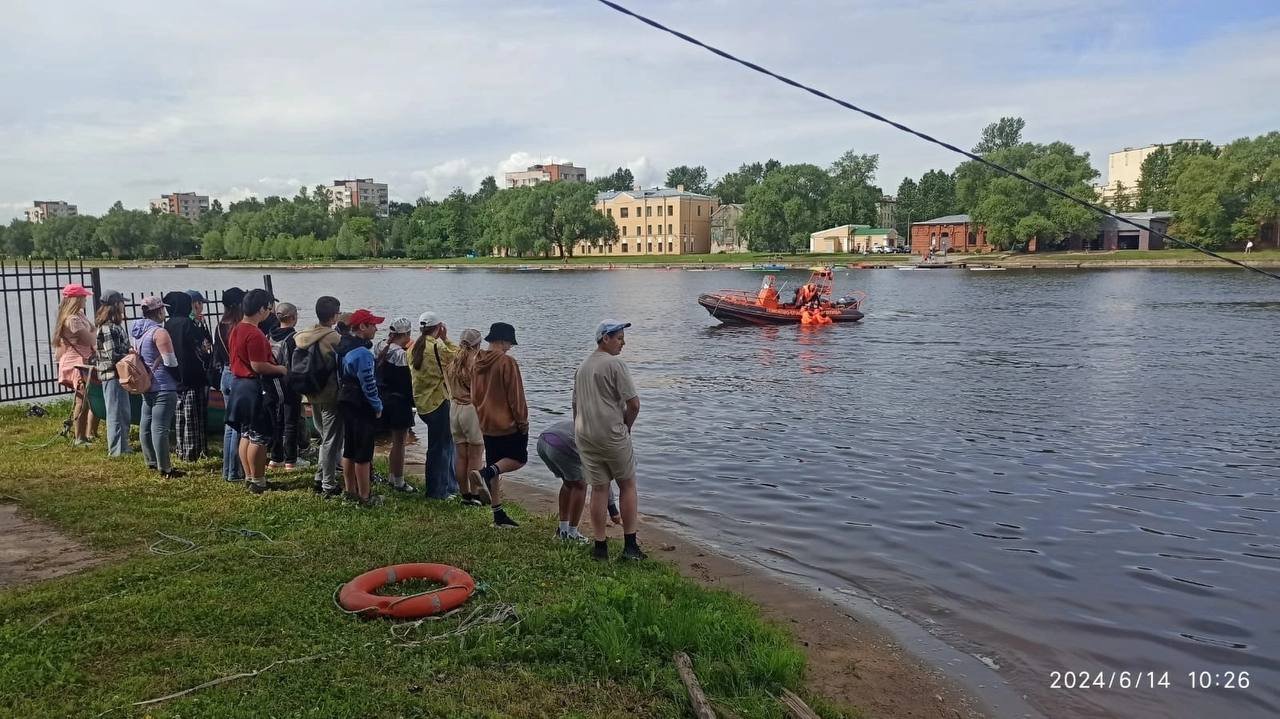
(668, 229)
(624, 246)
(648, 229)
(670, 245)
(609, 212)
(659, 210)
(648, 211)
(624, 212)
(624, 230)
(651, 246)
(973, 238)
(699, 210)
(637, 230)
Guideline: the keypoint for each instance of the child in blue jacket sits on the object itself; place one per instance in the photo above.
(360, 406)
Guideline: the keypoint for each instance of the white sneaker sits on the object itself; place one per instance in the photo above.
(275, 465)
(297, 464)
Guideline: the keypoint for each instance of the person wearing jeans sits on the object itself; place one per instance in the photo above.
(231, 469)
(157, 418)
(158, 405)
(113, 346)
(430, 354)
(231, 315)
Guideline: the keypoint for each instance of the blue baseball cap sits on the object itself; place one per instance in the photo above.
(608, 327)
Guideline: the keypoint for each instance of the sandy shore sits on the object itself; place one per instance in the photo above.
(853, 659)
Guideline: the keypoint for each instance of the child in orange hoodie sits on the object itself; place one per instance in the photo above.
(497, 391)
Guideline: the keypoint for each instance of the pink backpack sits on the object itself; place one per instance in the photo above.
(133, 373)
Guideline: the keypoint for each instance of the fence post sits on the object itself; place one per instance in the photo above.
(266, 284)
(95, 276)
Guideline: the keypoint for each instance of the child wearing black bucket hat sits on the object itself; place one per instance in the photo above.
(497, 391)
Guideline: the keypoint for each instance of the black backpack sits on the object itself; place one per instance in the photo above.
(310, 369)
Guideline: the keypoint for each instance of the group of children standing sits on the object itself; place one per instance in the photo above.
(470, 398)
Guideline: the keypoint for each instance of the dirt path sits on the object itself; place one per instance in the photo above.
(851, 660)
(32, 551)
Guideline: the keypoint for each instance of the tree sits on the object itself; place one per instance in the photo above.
(853, 199)
(621, 179)
(488, 188)
(575, 219)
(734, 185)
(211, 247)
(694, 179)
(1122, 198)
(1000, 135)
(785, 208)
(1159, 172)
(357, 237)
(1015, 212)
(933, 196)
(233, 242)
(124, 232)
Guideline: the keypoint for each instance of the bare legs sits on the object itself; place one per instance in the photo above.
(355, 479)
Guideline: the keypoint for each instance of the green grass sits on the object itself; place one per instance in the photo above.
(592, 641)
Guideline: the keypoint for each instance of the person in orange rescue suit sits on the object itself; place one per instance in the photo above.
(768, 296)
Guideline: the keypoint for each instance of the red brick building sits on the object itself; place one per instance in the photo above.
(954, 233)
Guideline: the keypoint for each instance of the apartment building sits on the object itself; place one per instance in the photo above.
(42, 210)
(1124, 169)
(183, 204)
(361, 192)
(657, 221)
(536, 174)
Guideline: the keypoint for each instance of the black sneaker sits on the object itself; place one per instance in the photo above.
(173, 474)
(632, 554)
(256, 487)
(502, 521)
(600, 554)
(317, 488)
(331, 492)
(404, 487)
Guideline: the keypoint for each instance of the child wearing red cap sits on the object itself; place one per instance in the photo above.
(360, 406)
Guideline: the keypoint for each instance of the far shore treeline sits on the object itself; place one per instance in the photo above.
(1221, 196)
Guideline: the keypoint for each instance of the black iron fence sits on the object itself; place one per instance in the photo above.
(30, 295)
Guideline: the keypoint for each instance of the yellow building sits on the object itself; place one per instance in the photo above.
(657, 221)
(1124, 169)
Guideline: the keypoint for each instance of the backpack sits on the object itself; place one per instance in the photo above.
(280, 350)
(310, 369)
(133, 373)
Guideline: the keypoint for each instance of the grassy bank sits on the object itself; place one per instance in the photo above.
(214, 600)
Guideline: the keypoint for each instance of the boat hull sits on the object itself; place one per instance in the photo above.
(733, 311)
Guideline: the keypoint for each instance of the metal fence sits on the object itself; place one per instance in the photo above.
(30, 299)
(30, 296)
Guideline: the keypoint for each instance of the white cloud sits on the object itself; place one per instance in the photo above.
(434, 100)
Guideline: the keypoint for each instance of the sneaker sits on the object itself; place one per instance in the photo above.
(80, 443)
(404, 487)
(502, 521)
(297, 464)
(632, 554)
(233, 480)
(173, 474)
(331, 492)
(374, 500)
(317, 488)
(256, 487)
(600, 554)
(275, 465)
(473, 501)
(572, 535)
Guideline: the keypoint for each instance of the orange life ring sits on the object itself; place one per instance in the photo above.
(358, 595)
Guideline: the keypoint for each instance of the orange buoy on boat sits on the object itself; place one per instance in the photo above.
(358, 596)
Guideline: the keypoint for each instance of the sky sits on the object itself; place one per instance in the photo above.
(130, 100)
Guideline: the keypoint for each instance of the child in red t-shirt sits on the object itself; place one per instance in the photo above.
(247, 411)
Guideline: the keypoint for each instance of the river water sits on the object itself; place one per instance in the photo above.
(1054, 470)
